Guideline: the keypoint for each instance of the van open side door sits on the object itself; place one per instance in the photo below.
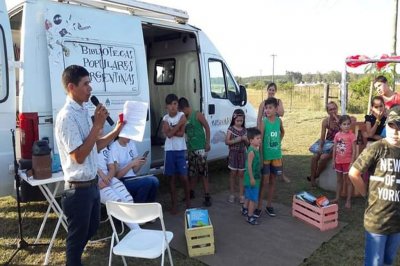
(7, 102)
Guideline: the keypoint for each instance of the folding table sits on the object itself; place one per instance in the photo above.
(43, 184)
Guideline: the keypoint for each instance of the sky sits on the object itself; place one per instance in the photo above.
(306, 35)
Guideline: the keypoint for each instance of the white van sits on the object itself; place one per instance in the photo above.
(133, 51)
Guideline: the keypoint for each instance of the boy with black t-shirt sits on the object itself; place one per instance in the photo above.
(382, 214)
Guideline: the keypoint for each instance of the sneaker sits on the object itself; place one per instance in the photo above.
(252, 220)
(207, 200)
(231, 199)
(245, 211)
(270, 211)
(257, 213)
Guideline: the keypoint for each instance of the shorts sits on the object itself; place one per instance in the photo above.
(197, 164)
(236, 160)
(272, 167)
(251, 193)
(342, 167)
(175, 163)
(326, 148)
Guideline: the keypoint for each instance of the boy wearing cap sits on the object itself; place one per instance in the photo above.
(382, 214)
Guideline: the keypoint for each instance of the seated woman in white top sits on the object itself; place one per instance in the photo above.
(127, 163)
(110, 187)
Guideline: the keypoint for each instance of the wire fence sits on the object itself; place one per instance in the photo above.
(310, 97)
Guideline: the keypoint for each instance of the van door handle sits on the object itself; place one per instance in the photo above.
(194, 86)
(211, 109)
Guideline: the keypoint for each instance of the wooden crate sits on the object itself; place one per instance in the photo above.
(200, 240)
(324, 218)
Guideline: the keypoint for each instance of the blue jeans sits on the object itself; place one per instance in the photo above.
(143, 189)
(380, 249)
(81, 206)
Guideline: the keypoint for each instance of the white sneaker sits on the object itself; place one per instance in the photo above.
(231, 199)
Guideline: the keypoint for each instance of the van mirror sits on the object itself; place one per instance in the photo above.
(243, 95)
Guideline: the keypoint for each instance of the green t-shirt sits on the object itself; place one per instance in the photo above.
(382, 214)
(255, 167)
(196, 138)
(272, 139)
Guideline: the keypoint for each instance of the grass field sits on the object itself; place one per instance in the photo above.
(302, 128)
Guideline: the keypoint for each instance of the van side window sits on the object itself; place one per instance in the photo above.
(164, 72)
(223, 85)
(4, 90)
(217, 81)
(232, 91)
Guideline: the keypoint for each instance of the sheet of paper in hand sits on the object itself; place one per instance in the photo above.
(134, 114)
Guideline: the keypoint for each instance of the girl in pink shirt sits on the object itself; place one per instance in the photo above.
(344, 151)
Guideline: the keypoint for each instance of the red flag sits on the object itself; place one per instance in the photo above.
(380, 65)
(356, 63)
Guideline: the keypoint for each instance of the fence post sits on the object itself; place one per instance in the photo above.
(326, 93)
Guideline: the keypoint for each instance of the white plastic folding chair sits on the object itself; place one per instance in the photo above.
(102, 221)
(142, 243)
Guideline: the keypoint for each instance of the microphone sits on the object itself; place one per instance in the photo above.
(96, 102)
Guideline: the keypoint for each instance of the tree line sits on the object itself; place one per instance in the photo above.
(296, 78)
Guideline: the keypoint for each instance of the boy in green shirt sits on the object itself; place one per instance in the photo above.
(198, 144)
(272, 133)
(382, 213)
(252, 175)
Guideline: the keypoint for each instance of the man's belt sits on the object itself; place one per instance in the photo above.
(83, 184)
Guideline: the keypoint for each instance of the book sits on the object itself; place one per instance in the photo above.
(307, 197)
(197, 218)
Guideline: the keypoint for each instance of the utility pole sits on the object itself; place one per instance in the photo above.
(261, 83)
(396, 8)
(273, 66)
(394, 52)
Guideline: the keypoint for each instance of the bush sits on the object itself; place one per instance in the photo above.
(358, 94)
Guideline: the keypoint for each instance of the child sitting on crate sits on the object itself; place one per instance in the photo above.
(252, 175)
(175, 149)
(381, 218)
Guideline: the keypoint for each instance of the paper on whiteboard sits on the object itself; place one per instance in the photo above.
(135, 114)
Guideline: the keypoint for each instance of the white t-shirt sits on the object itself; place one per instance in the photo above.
(104, 158)
(175, 143)
(123, 155)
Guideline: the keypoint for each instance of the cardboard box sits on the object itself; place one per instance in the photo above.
(200, 240)
(324, 218)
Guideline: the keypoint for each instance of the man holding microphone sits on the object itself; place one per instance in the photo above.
(77, 141)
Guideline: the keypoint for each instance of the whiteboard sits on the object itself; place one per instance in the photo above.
(112, 68)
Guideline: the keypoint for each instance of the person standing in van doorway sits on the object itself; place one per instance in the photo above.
(77, 141)
(175, 148)
(198, 144)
